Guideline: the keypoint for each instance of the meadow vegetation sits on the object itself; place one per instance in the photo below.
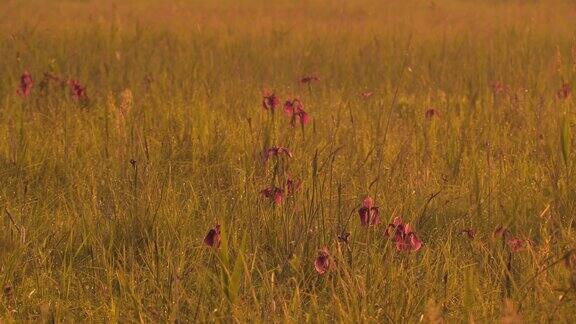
(130, 129)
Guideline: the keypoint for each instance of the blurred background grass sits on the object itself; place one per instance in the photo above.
(177, 88)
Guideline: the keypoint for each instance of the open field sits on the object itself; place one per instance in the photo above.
(152, 170)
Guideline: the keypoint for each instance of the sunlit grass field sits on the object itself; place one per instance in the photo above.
(152, 171)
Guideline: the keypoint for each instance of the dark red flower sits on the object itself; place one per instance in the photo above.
(212, 239)
(431, 113)
(498, 88)
(322, 262)
(270, 101)
(367, 94)
(404, 237)
(276, 151)
(564, 92)
(309, 79)
(369, 214)
(77, 91)
(407, 241)
(296, 109)
(275, 194)
(300, 116)
(291, 106)
(469, 232)
(517, 244)
(26, 84)
(391, 228)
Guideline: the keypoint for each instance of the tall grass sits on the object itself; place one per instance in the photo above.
(106, 202)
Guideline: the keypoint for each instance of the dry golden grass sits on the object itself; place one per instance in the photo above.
(106, 200)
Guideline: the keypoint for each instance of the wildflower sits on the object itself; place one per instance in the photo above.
(431, 113)
(322, 262)
(274, 193)
(564, 92)
(516, 244)
(404, 237)
(309, 79)
(291, 106)
(270, 101)
(367, 94)
(498, 88)
(277, 195)
(26, 83)
(276, 151)
(407, 241)
(77, 91)
(296, 110)
(212, 239)
(391, 229)
(369, 214)
(469, 232)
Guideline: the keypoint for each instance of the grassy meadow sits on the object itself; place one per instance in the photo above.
(130, 129)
